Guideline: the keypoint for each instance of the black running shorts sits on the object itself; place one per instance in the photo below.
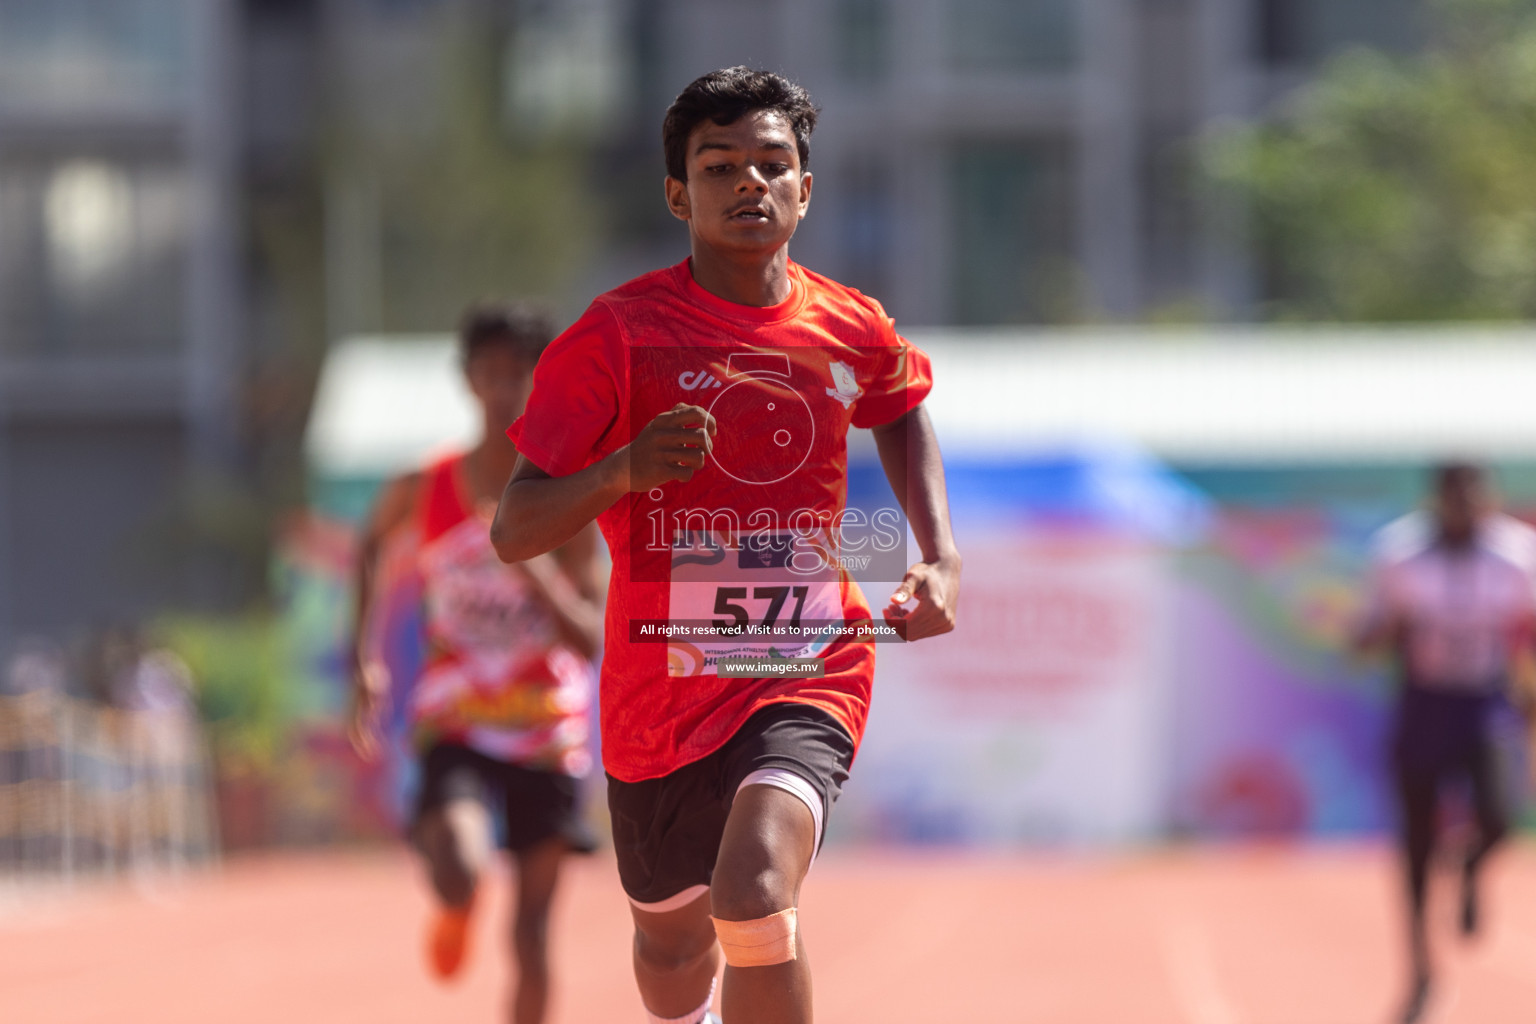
(530, 805)
(1439, 732)
(667, 831)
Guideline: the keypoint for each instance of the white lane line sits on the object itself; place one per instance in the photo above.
(1514, 956)
(1191, 963)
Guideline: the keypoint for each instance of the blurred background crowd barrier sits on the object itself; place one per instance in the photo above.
(90, 788)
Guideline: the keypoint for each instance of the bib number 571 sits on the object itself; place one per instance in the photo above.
(740, 617)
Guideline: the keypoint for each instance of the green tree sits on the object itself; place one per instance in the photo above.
(1402, 187)
(469, 206)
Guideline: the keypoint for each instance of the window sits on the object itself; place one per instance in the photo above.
(399, 8)
(80, 54)
(93, 257)
(1012, 232)
(866, 219)
(564, 69)
(1304, 32)
(1012, 35)
(1170, 217)
(863, 40)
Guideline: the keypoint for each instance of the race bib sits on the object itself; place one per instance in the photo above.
(751, 596)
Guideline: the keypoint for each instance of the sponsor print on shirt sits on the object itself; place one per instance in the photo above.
(547, 691)
(496, 677)
(539, 721)
(751, 596)
(476, 606)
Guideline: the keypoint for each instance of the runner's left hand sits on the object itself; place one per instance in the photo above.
(936, 588)
(370, 704)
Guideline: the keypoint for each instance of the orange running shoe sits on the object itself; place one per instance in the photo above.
(448, 941)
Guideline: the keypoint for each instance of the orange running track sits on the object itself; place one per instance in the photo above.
(1204, 935)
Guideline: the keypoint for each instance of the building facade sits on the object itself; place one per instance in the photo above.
(988, 161)
(120, 321)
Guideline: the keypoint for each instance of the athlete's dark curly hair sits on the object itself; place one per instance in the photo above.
(527, 328)
(726, 95)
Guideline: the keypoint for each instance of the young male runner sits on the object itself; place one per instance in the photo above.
(699, 413)
(499, 710)
(1453, 596)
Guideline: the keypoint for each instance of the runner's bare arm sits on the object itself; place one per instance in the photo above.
(1522, 672)
(909, 452)
(1377, 632)
(1377, 627)
(570, 581)
(538, 512)
(370, 682)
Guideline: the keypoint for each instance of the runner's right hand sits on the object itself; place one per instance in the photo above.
(673, 446)
(370, 699)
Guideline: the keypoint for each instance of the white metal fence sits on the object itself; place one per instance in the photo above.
(87, 789)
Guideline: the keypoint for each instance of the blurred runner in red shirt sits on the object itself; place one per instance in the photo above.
(500, 708)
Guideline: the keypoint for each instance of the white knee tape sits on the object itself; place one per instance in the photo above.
(760, 943)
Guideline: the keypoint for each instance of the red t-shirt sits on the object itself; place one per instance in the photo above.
(496, 675)
(747, 542)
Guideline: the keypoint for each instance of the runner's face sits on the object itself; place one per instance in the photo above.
(1458, 507)
(500, 380)
(745, 190)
